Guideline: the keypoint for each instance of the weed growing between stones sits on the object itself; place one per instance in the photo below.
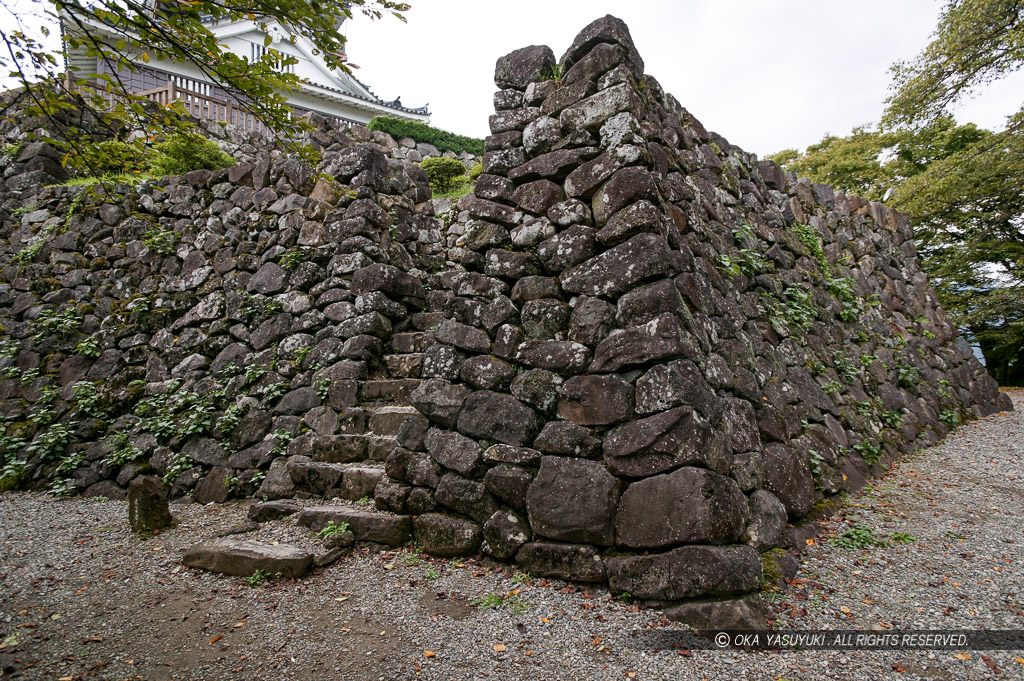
(332, 528)
(261, 577)
(857, 537)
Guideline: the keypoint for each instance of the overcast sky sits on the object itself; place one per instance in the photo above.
(765, 74)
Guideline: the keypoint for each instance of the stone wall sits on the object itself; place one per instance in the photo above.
(696, 348)
(636, 356)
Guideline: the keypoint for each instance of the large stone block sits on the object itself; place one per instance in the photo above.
(687, 506)
(659, 339)
(788, 476)
(686, 572)
(467, 497)
(521, 67)
(571, 562)
(619, 269)
(675, 384)
(232, 556)
(660, 443)
(365, 525)
(445, 536)
(573, 500)
(501, 418)
(606, 30)
(596, 400)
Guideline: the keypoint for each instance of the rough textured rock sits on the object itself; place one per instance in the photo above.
(746, 613)
(504, 533)
(686, 572)
(148, 510)
(243, 557)
(573, 500)
(695, 506)
(574, 562)
(365, 525)
(443, 535)
(674, 438)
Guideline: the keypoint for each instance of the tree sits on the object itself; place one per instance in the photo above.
(151, 30)
(975, 43)
(962, 186)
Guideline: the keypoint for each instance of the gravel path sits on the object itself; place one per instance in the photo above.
(81, 598)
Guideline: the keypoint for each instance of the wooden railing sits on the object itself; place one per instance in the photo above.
(208, 107)
(202, 106)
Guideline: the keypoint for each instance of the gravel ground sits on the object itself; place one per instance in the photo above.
(81, 598)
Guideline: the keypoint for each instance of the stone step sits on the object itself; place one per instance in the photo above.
(243, 557)
(351, 481)
(395, 391)
(381, 528)
(404, 366)
(347, 448)
(413, 341)
(387, 420)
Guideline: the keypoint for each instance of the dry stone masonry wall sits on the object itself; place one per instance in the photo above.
(638, 356)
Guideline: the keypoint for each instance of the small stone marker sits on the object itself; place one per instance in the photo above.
(148, 510)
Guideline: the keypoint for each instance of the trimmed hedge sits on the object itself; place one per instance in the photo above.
(442, 139)
(442, 172)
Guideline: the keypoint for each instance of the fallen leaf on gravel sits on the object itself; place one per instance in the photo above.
(843, 609)
(962, 656)
(343, 598)
(596, 641)
(499, 648)
(1019, 659)
(240, 624)
(867, 601)
(428, 653)
(214, 640)
(810, 542)
(528, 653)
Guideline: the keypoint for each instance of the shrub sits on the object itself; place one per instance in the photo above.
(442, 172)
(476, 171)
(184, 152)
(442, 139)
(109, 157)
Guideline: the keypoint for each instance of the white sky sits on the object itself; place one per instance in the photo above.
(765, 74)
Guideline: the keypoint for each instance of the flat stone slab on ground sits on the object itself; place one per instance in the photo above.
(393, 530)
(244, 557)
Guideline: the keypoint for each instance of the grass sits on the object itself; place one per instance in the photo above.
(511, 602)
(459, 188)
(109, 178)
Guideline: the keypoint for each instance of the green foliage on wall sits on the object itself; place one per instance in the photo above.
(421, 132)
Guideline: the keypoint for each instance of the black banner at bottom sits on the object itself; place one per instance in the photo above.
(833, 639)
